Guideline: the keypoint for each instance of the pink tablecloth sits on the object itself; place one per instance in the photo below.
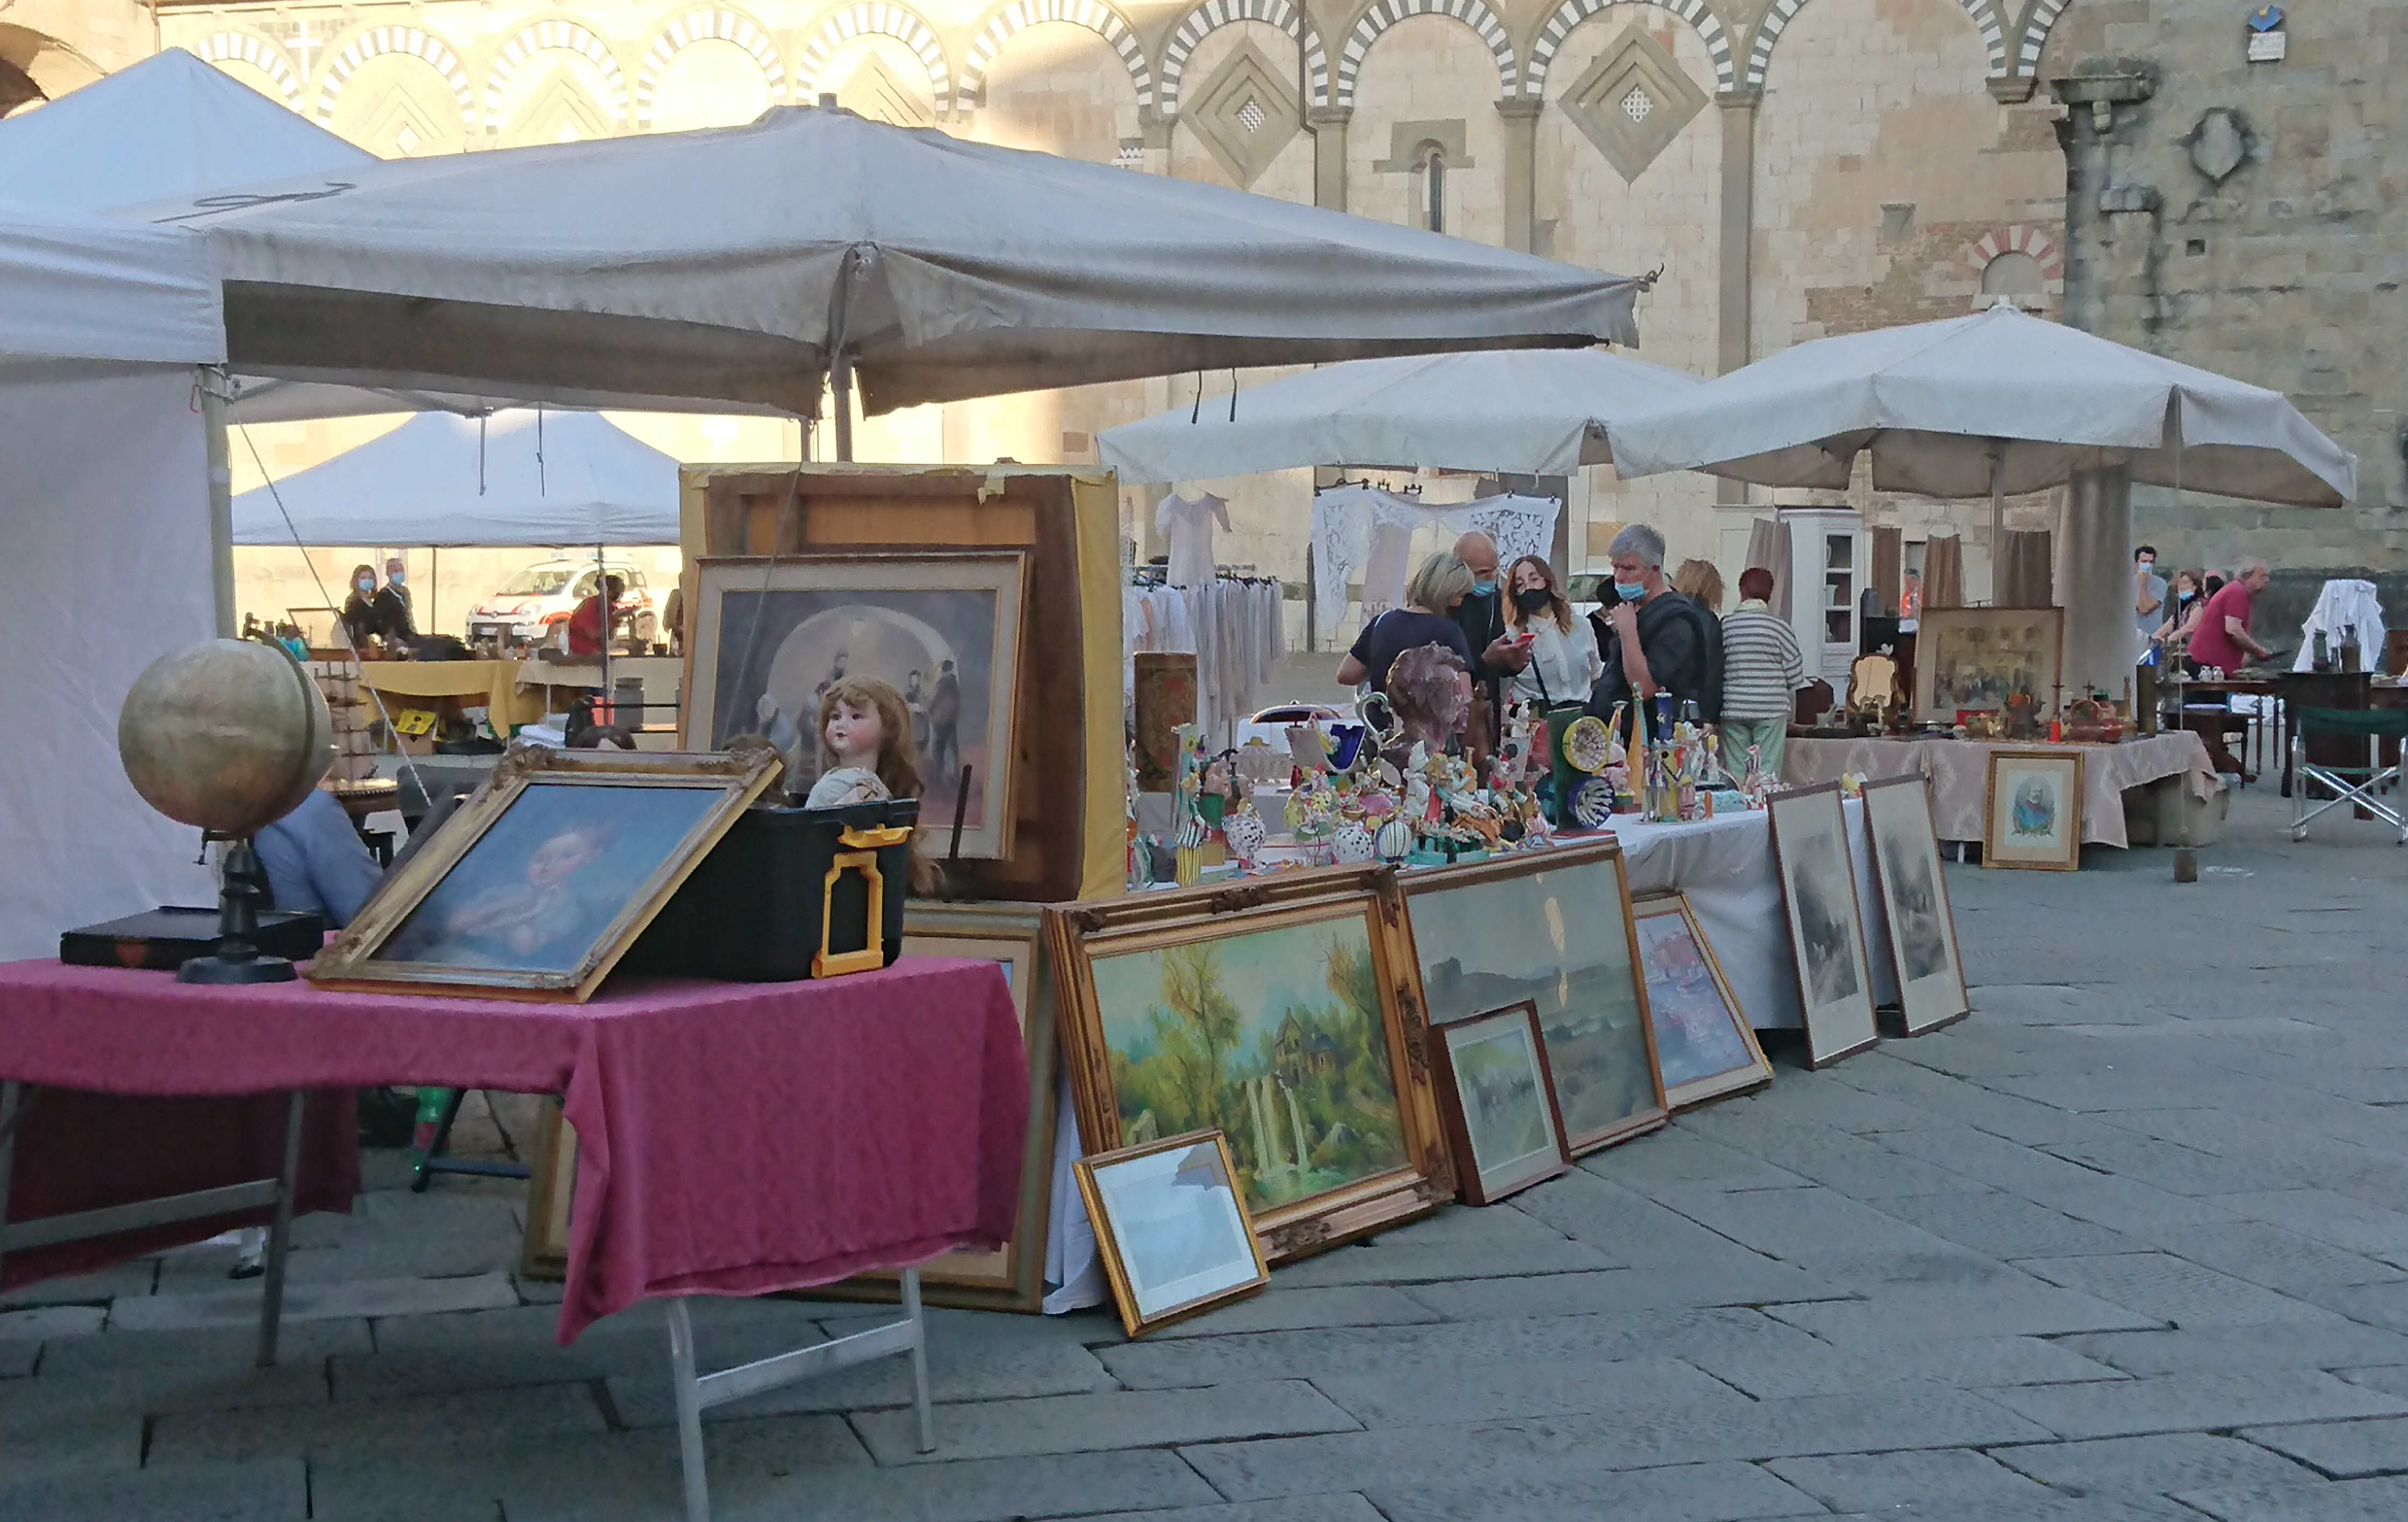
(734, 1139)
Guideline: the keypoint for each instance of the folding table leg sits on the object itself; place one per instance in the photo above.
(689, 1412)
(919, 1358)
(279, 1236)
(12, 1104)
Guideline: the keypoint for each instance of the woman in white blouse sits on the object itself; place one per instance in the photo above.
(1564, 662)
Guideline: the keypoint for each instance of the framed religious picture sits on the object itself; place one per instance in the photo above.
(1552, 928)
(1818, 893)
(535, 887)
(1171, 1228)
(1914, 903)
(1284, 1012)
(773, 635)
(1703, 1041)
(1972, 660)
(1499, 1103)
(2031, 815)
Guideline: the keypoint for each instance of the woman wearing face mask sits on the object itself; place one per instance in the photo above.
(2184, 608)
(1562, 667)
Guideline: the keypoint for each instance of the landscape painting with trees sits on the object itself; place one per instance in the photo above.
(1275, 1037)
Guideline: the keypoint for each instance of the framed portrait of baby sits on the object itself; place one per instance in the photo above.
(538, 884)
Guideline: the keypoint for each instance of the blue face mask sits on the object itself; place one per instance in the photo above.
(1630, 591)
(1484, 589)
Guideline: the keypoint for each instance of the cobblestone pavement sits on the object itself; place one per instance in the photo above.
(2131, 1244)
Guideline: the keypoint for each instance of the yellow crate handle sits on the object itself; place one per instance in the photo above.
(873, 839)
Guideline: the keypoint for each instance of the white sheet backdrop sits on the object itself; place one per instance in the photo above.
(104, 512)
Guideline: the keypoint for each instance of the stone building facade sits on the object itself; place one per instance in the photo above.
(1794, 167)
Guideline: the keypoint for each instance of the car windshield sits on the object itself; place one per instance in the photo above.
(537, 581)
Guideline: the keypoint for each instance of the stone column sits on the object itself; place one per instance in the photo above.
(1328, 123)
(1521, 172)
(2094, 582)
(1734, 310)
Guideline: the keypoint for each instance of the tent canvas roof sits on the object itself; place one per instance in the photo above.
(92, 288)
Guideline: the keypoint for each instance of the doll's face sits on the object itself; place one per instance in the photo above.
(856, 733)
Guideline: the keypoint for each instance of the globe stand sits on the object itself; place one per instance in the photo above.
(238, 960)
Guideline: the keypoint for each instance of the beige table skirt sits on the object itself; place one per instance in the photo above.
(1958, 770)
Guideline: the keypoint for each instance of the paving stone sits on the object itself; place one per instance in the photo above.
(2383, 1304)
(1552, 1449)
(2005, 1226)
(2269, 1256)
(1375, 1350)
(1384, 1263)
(1682, 1154)
(1282, 1308)
(341, 1301)
(2352, 1225)
(32, 1326)
(1836, 1159)
(157, 1390)
(2037, 1508)
(2177, 1170)
(228, 1349)
(2201, 1401)
(66, 1447)
(109, 1283)
(2172, 1290)
(1877, 1482)
(1638, 1230)
(1825, 1099)
(1802, 1226)
(2236, 1349)
(1712, 1492)
(1117, 1419)
(1945, 1098)
(1348, 1507)
(2349, 1500)
(2150, 1465)
(1051, 1485)
(1734, 1277)
(2004, 1309)
(1971, 1364)
(2340, 1450)
(17, 1359)
(266, 1490)
(1497, 1392)
(479, 1419)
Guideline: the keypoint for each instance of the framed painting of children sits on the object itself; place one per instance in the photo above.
(536, 886)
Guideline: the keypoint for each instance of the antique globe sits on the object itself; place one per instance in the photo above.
(228, 735)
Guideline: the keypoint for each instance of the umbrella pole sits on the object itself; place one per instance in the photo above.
(841, 389)
(610, 616)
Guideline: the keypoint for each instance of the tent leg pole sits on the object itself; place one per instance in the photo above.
(840, 388)
(213, 435)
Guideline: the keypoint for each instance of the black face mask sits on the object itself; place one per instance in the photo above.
(1532, 599)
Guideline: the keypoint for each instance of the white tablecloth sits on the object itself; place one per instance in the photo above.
(1959, 774)
(1725, 864)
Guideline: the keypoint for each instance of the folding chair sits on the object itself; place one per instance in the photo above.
(2350, 786)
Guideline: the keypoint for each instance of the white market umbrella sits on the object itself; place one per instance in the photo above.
(1992, 405)
(1538, 413)
(442, 482)
(731, 266)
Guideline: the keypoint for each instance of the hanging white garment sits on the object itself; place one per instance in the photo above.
(2343, 605)
(1189, 524)
(1361, 534)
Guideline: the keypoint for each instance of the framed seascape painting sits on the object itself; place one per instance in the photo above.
(1818, 892)
(1552, 928)
(1171, 1228)
(1499, 1103)
(771, 636)
(1915, 902)
(1702, 1039)
(2031, 817)
(1284, 1013)
(537, 886)
(1973, 659)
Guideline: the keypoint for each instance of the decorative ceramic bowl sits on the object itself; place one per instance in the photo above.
(1592, 803)
(1587, 743)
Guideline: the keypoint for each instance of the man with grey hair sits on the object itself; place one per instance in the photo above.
(1482, 616)
(2222, 639)
(1652, 638)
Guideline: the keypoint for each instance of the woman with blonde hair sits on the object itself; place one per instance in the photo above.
(1699, 582)
(1427, 619)
(1564, 662)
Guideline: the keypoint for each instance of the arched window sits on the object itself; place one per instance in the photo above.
(1434, 189)
(2013, 273)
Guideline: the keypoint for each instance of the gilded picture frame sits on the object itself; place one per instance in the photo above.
(2031, 810)
(945, 629)
(1289, 1006)
(537, 886)
(1493, 933)
(1826, 933)
(1692, 1007)
(1972, 658)
(1204, 1236)
(1915, 904)
(1499, 1100)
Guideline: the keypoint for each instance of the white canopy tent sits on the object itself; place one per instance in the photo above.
(518, 478)
(1992, 405)
(103, 510)
(732, 266)
(1539, 412)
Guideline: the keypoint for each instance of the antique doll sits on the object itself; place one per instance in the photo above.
(867, 731)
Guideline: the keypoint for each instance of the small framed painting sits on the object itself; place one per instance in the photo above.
(536, 886)
(1702, 1041)
(1499, 1101)
(2032, 816)
(1915, 902)
(1172, 1231)
(1818, 892)
(1973, 659)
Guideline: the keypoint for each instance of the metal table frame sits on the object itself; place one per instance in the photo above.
(695, 1392)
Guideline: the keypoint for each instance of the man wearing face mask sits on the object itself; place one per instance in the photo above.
(1482, 618)
(1652, 639)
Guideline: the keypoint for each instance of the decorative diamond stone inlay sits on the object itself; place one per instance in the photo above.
(1245, 113)
(1634, 101)
(874, 91)
(406, 140)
